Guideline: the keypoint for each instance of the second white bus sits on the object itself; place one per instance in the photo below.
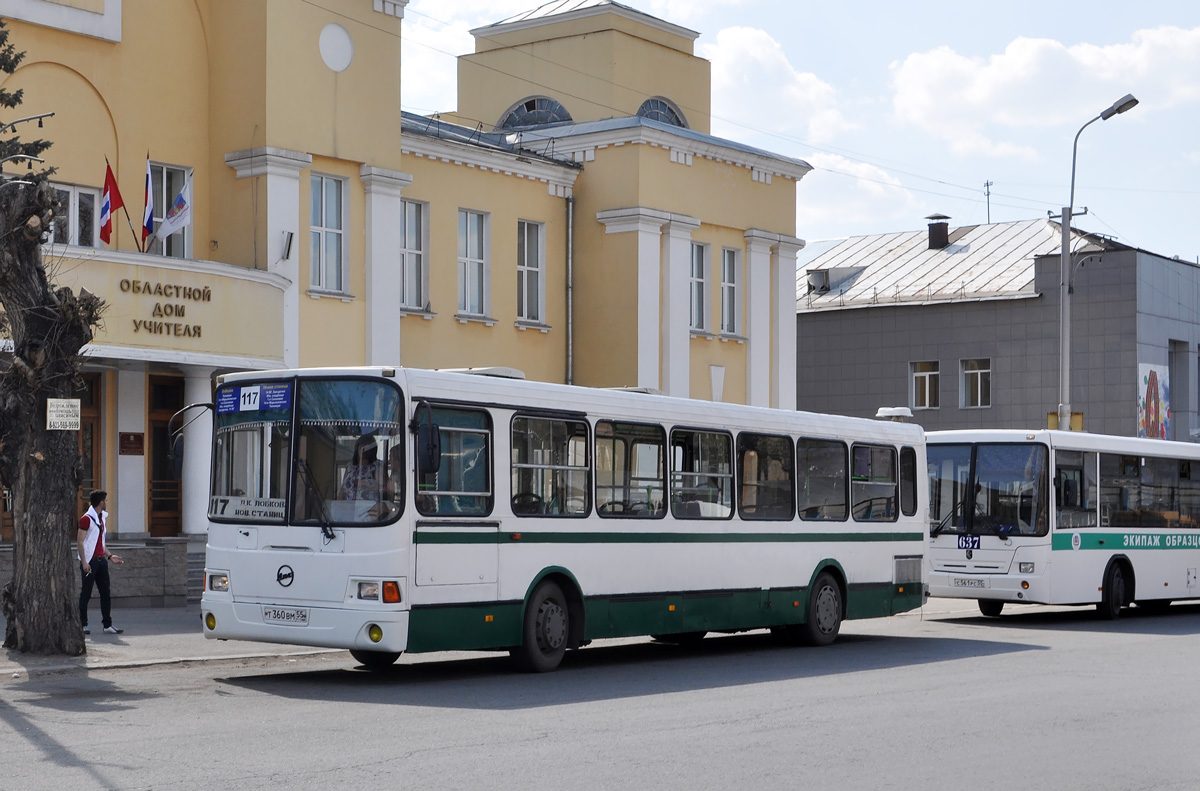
(1057, 517)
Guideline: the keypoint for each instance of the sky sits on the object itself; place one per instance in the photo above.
(908, 109)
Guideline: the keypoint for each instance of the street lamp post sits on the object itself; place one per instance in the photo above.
(1126, 102)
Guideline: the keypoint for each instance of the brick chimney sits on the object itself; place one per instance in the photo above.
(939, 231)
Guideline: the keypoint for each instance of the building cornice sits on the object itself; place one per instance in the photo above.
(560, 178)
(268, 161)
(578, 144)
(640, 218)
(380, 181)
(391, 7)
(634, 15)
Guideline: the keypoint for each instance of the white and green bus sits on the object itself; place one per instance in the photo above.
(1060, 517)
(386, 510)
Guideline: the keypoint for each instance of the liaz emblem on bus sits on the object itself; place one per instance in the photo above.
(968, 542)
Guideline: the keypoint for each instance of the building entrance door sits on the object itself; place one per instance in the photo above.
(166, 398)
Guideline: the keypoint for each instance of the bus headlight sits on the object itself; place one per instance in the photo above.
(210, 621)
(375, 632)
(368, 590)
(1026, 568)
(218, 582)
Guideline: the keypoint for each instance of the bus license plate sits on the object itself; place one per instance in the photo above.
(968, 542)
(961, 582)
(289, 616)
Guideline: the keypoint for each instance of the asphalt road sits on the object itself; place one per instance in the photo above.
(1044, 698)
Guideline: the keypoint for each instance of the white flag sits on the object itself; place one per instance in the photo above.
(179, 216)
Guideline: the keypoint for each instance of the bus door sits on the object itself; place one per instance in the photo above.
(456, 541)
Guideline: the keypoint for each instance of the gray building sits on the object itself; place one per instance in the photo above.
(962, 325)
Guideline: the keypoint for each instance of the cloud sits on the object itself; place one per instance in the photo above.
(755, 86)
(842, 196)
(985, 105)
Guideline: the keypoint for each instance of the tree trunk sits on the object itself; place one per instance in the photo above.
(49, 327)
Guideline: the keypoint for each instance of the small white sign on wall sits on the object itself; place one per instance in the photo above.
(62, 414)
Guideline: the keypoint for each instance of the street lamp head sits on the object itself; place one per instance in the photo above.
(1126, 102)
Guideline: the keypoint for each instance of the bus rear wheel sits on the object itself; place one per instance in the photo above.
(1112, 596)
(545, 630)
(991, 608)
(374, 660)
(824, 612)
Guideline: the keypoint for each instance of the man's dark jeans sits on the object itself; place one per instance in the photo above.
(99, 576)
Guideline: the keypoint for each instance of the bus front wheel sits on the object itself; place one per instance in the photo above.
(545, 630)
(824, 611)
(1112, 596)
(990, 607)
(374, 660)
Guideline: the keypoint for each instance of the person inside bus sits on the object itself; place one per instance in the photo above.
(361, 481)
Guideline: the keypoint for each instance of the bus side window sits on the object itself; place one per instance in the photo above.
(1075, 488)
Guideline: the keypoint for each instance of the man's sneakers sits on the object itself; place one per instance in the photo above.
(113, 630)
(87, 630)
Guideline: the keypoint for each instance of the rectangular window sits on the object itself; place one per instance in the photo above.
(976, 383)
(908, 481)
(530, 264)
(873, 484)
(701, 475)
(327, 259)
(698, 287)
(462, 485)
(412, 255)
(1075, 489)
(766, 464)
(550, 470)
(472, 264)
(629, 469)
(729, 291)
(167, 183)
(77, 221)
(926, 385)
(821, 479)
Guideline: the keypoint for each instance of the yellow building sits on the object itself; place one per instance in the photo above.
(589, 230)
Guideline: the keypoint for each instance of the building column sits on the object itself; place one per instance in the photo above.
(758, 316)
(384, 278)
(197, 455)
(282, 169)
(783, 317)
(128, 492)
(647, 224)
(676, 319)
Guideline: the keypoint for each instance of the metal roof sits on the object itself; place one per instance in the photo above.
(993, 261)
(576, 9)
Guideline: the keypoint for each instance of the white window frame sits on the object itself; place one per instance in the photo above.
(926, 382)
(70, 208)
(414, 256)
(178, 244)
(320, 233)
(699, 309)
(474, 270)
(731, 292)
(531, 267)
(979, 375)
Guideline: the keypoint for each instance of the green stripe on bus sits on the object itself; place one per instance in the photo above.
(583, 537)
(1119, 541)
(495, 626)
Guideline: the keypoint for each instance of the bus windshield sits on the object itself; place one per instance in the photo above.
(340, 442)
(988, 489)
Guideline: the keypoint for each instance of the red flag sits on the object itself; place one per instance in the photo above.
(110, 201)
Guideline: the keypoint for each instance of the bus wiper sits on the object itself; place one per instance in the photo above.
(322, 509)
(942, 525)
(990, 522)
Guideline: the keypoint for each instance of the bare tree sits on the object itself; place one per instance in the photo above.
(48, 326)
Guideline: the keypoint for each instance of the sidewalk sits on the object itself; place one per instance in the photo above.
(153, 636)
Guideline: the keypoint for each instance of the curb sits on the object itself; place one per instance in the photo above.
(32, 672)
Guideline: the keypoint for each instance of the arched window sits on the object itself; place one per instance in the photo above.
(534, 111)
(659, 109)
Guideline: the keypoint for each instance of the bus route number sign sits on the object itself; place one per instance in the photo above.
(253, 398)
(968, 542)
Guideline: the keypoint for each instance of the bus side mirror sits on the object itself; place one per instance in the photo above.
(429, 448)
(177, 456)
